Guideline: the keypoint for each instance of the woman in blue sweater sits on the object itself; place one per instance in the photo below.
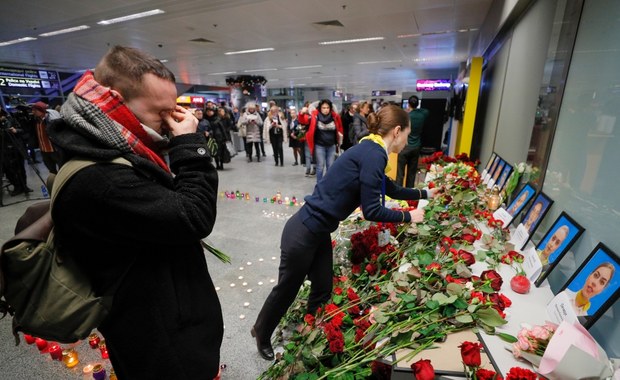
(356, 178)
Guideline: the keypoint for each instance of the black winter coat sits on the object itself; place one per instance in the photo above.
(143, 226)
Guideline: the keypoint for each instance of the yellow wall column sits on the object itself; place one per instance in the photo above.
(466, 128)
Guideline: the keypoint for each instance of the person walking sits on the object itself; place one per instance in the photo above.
(276, 123)
(252, 124)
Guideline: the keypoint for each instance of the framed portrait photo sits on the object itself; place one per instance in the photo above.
(496, 172)
(595, 285)
(503, 178)
(536, 213)
(521, 200)
(557, 241)
(489, 175)
(487, 167)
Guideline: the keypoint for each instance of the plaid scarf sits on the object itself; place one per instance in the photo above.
(92, 109)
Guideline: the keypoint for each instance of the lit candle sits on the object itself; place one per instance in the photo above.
(29, 339)
(70, 358)
(87, 372)
(41, 344)
(98, 372)
(103, 349)
(93, 340)
(113, 375)
(55, 351)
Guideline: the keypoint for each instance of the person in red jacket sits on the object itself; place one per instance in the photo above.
(324, 136)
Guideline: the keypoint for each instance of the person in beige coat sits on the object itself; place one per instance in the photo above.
(249, 125)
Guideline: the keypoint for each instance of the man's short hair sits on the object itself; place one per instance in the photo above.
(123, 69)
(413, 101)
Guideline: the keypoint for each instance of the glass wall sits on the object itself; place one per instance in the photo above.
(582, 174)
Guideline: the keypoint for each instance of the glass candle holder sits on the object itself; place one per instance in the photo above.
(112, 375)
(99, 372)
(29, 339)
(93, 340)
(41, 343)
(87, 372)
(104, 350)
(70, 358)
(55, 351)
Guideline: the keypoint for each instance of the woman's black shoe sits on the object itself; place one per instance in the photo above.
(264, 349)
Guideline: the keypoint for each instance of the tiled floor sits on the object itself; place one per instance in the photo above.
(246, 230)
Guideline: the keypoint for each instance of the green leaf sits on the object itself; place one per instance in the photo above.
(464, 318)
(448, 232)
(425, 259)
(440, 297)
(490, 317)
(461, 304)
(449, 311)
(338, 299)
(454, 289)
(451, 299)
(506, 337)
(472, 308)
(481, 255)
(432, 304)
(407, 297)
(380, 317)
(403, 337)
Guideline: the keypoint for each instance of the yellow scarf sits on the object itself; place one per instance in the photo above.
(379, 140)
(581, 300)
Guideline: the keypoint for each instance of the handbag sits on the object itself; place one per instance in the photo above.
(45, 292)
(231, 149)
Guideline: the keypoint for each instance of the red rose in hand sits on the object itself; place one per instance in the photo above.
(423, 370)
(470, 353)
(494, 277)
(309, 319)
(520, 284)
(485, 374)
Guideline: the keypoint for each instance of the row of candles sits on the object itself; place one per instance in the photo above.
(70, 357)
(293, 201)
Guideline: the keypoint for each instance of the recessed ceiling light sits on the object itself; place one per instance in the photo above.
(63, 31)
(302, 67)
(16, 41)
(372, 62)
(408, 35)
(248, 51)
(351, 41)
(131, 17)
(258, 70)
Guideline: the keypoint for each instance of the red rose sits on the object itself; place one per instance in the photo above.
(354, 310)
(433, 267)
(494, 278)
(352, 296)
(337, 290)
(423, 370)
(309, 319)
(485, 374)
(371, 269)
(469, 238)
(470, 353)
(467, 257)
(356, 269)
(517, 373)
(336, 346)
(431, 185)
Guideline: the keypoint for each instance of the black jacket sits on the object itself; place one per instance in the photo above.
(140, 222)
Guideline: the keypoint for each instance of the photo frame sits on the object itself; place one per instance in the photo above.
(558, 240)
(498, 170)
(605, 288)
(492, 169)
(503, 178)
(517, 205)
(535, 214)
(487, 167)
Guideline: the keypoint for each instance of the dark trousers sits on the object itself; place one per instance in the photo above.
(303, 253)
(408, 158)
(248, 149)
(278, 151)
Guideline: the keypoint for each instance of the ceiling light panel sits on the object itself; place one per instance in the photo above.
(367, 39)
(248, 51)
(17, 41)
(63, 31)
(131, 17)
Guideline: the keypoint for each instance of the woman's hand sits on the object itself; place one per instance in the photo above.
(417, 215)
(431, 193)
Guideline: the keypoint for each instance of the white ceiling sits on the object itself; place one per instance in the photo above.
(435, 36)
